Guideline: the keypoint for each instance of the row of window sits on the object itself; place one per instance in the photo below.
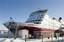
(35, 21)
(35, 18)
(38, 13)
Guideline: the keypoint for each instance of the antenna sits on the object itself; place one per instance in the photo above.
(11, 19)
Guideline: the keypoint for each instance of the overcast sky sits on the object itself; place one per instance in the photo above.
(20, 9)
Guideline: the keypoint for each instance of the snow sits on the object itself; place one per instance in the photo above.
(29, 40)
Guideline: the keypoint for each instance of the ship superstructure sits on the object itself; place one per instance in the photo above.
(41, 17)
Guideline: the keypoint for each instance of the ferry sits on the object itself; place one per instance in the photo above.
(37, 25)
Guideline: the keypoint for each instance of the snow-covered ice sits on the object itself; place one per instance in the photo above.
(29, 40)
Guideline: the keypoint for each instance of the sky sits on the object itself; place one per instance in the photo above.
(20, 10)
